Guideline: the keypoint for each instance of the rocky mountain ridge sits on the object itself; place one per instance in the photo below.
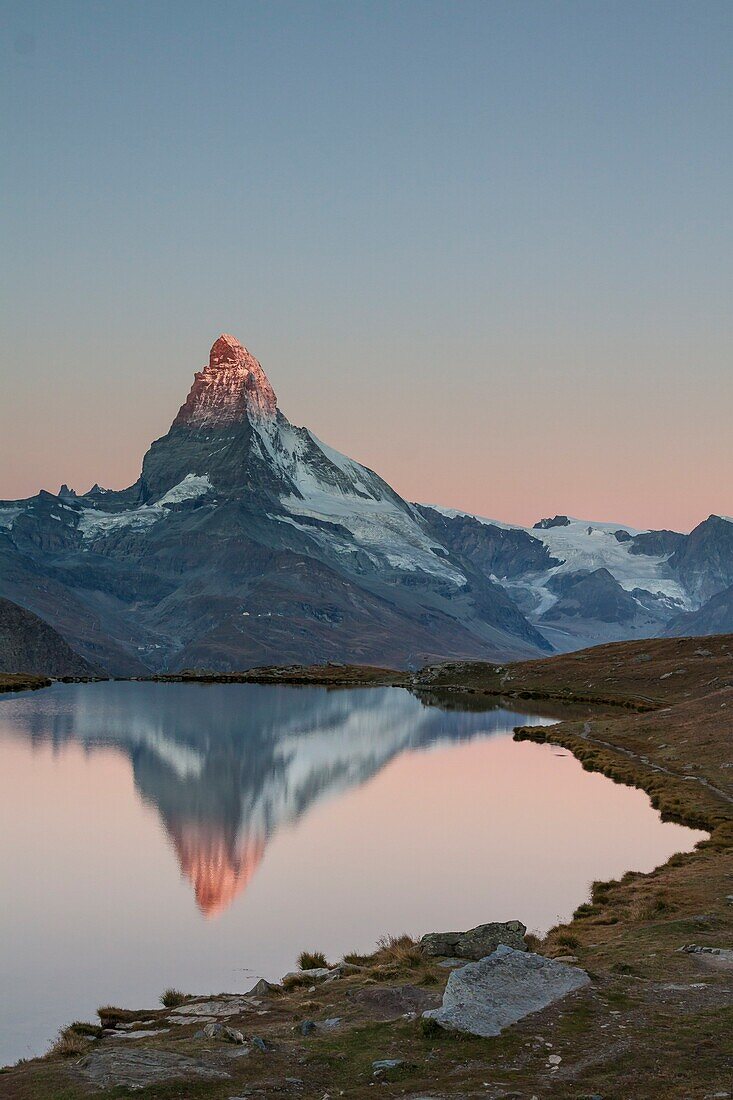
(584, 583)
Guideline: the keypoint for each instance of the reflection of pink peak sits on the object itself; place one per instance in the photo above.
(217, 871)
(232, 388)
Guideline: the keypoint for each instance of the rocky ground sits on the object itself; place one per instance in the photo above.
(654, 1021)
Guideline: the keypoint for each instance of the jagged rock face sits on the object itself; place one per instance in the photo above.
(232, 388)
(704, 562)
(496, 551)
(593, 595)
(477, 942)
(714, 617)
(549, 523)
(655, 543)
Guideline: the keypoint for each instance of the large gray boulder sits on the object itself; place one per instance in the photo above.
(478, 942)
(484, 997)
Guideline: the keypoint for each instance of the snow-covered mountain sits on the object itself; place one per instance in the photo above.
(248, 541)
(245, 541)
(582, 582)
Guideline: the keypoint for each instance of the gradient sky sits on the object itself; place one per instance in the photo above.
(484, 248)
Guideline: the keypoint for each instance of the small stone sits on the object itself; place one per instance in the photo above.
(221, 1031)
(222, 1006)
(264, 988)
(382, 1066)
(554, 1059)
(233, 1035)
(306, 1027)
(565, 958)
(317, 974)
(145, 1034)
(256, 1041)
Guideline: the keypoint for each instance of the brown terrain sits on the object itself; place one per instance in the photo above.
(657, 1019)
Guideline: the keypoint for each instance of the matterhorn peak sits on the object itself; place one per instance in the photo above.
(232, 388)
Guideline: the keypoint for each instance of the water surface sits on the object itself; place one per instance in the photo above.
(203, 835)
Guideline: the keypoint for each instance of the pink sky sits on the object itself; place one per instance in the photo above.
(510, 433)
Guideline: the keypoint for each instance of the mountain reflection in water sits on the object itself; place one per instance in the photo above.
(227, 766)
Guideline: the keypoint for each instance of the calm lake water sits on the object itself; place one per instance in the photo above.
(201, 836)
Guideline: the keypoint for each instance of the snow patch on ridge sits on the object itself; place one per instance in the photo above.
(7, 515)
(589, 545)
(328, 486)
(191, 487)
(94, 522)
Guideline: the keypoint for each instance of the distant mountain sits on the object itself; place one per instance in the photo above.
(704, 561)
(583, 583)
(247, 541)
(714, 617)
(28, 644)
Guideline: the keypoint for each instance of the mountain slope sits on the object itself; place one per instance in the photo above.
(246, 540)
(714, 617)
(28, 644)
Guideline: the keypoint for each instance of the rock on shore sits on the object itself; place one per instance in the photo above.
(477, 942)
(482, 998)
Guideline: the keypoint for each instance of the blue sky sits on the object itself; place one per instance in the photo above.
(483, 247)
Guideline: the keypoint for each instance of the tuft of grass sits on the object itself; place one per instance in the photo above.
(585, 910)
(429, 1028)
(173, 998)
(567, 939)
(74, 1040)
(532, 942)
(111, 1015)
(295, 981)
(313, 960)
(354, 958)
(83, 1027)
(401, 951)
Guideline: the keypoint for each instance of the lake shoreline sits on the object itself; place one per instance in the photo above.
(662, 721)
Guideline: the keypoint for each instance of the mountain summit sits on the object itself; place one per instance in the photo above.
(232, 387)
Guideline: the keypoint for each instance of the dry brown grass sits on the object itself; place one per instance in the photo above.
(73, 1041)
(400, 951)
(111, 1015)
(173, 998)
(313, 960)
